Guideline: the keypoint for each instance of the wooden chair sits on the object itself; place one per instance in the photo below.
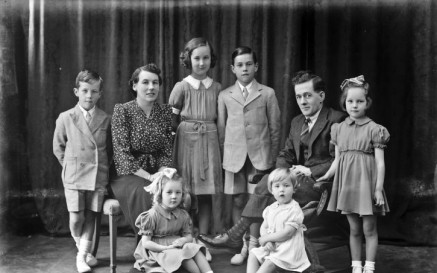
(316, 222)
(111, 207)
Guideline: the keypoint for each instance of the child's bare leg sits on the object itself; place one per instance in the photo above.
(252, 264)
(77, 220)
(202, 263)
(204, 214)
(88, 225)
(355, 237)
(371, 235)
(267, 267)
(191, 266)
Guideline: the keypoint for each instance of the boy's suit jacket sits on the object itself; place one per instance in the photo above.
(248, 127)
(82, 149)
(321, 152)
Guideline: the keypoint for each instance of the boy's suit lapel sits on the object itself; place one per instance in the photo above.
(80, 122)
(97, 119)
(236, 94)
(255, 92)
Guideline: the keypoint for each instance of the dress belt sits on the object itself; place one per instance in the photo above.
(201, 147)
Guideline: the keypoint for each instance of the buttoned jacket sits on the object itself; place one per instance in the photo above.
(81, 149)
(321, 153)
(248, 128)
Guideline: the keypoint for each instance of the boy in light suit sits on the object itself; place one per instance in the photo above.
(248, 128)
(80, 145)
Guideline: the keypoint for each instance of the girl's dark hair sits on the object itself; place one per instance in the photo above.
(307, 75)
(243, 50)
(152, 68)
(185, 56)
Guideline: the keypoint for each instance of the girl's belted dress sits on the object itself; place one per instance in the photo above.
(197, 152)
(353, 189)
(164, 227)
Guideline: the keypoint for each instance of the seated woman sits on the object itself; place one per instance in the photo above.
(143, 142)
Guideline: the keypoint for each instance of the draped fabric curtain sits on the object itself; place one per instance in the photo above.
(393, 43)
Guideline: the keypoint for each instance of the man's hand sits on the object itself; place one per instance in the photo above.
(300, 170)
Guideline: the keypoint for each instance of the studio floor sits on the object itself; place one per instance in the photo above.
(41, 253)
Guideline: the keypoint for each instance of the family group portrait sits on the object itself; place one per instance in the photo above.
(200, 136)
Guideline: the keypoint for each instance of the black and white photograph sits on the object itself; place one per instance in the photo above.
(213, 136)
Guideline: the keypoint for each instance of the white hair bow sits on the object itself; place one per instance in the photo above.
(357, 80)
(157, 178)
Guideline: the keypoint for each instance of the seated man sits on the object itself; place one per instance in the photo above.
(307, 150)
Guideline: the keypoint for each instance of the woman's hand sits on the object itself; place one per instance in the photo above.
(379, 198)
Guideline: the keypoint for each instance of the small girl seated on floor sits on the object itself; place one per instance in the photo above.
(282, 242)
(167, 242)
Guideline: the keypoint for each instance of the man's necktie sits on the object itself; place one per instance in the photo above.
(305, 127)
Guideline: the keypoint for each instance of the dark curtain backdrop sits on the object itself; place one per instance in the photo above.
(393, 43)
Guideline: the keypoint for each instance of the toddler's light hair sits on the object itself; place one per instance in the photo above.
(281, 174)
(157, 190)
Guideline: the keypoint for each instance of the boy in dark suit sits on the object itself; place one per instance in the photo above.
(80, 145)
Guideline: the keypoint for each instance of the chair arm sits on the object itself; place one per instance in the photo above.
(321, 186)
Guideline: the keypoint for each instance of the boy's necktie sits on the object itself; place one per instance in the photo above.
(245, 93)
(88, 117)
(305, 127)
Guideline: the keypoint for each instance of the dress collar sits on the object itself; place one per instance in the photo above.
(360, 122)
(166, 213)
(195, 83)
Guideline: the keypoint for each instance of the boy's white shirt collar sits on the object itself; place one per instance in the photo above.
(91, 111)
(248, 87)
(195, 83)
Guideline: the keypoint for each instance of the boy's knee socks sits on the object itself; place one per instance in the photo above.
(84, 247)
(76, 240)
(369, 265)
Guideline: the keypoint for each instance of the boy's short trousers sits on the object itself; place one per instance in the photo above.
(236, 183)
(78, 200)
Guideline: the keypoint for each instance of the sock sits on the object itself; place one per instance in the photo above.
(76, 239)
(84, 247)
(209, 271)
(253, 242)
(369, 265)
(356, 263)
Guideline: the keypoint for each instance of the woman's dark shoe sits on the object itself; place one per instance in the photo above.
(220, 241)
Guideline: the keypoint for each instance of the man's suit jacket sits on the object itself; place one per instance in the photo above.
(321, 152)
(82, 149)
(248, 127)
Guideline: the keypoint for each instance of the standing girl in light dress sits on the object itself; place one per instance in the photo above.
(359, 170)
(282, 241)
(196, 151)
(166, 242)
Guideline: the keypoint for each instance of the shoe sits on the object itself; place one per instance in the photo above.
(220, 241)
(81, 265)
(207, 253)
(240, 258)
(357, 269)
(91, 260)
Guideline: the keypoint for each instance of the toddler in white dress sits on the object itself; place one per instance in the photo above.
(282, 241)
